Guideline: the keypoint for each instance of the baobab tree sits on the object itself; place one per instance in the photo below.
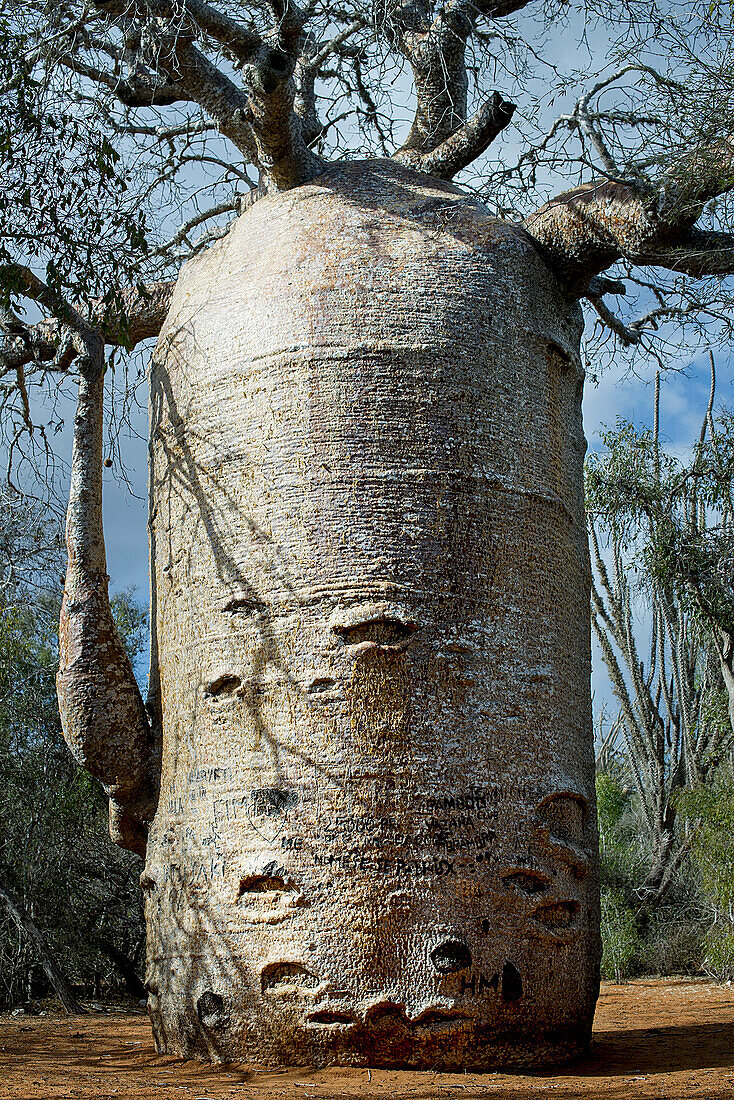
(362, 780)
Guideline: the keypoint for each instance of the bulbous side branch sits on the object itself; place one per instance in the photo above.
(103, 715)
(584, 231)
(140, 314)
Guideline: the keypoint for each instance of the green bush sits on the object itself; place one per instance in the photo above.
(718, 961)
(623, 863)
(708, 813)
(619, 935)
(611, 801)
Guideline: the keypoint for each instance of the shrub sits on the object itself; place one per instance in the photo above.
(718, 961)
(619, 935)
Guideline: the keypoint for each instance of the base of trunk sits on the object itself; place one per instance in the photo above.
(388, 1039)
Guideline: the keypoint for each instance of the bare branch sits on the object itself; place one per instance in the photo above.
(326, 50)
(281, 151)
(598, 287)
(587, 125)
(137, 315)
(141, 90)
(259, 120)
(465, 144)
(241, 43)
(436, 52)
(181, 236)
(308, 67)
(29, 344)
(17, 276)
(626, 335)
(223, 101)
(289, 21)
(698, 253)
(584, 231)
(435, 47)
(490, 9)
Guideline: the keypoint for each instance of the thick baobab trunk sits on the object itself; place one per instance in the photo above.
(376, 838)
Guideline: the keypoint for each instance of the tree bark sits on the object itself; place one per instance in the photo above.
(376, 839)
(102, 713)
(53, 971)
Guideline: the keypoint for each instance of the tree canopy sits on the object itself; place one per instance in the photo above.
(135, 131)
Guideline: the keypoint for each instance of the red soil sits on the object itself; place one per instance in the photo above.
(668, 1039)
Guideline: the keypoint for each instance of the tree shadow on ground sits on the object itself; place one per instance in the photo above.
(670, 1049)
(80, 1046)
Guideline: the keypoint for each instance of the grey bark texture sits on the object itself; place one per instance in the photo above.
(375, 842)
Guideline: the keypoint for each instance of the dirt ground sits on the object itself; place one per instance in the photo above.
(665, 1039)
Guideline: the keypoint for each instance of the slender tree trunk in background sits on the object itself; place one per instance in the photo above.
(726, 657)
(53, 971)
(126, 968)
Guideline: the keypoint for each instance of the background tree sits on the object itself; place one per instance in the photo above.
(653, 515)
(694, 552)
(68, 898)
